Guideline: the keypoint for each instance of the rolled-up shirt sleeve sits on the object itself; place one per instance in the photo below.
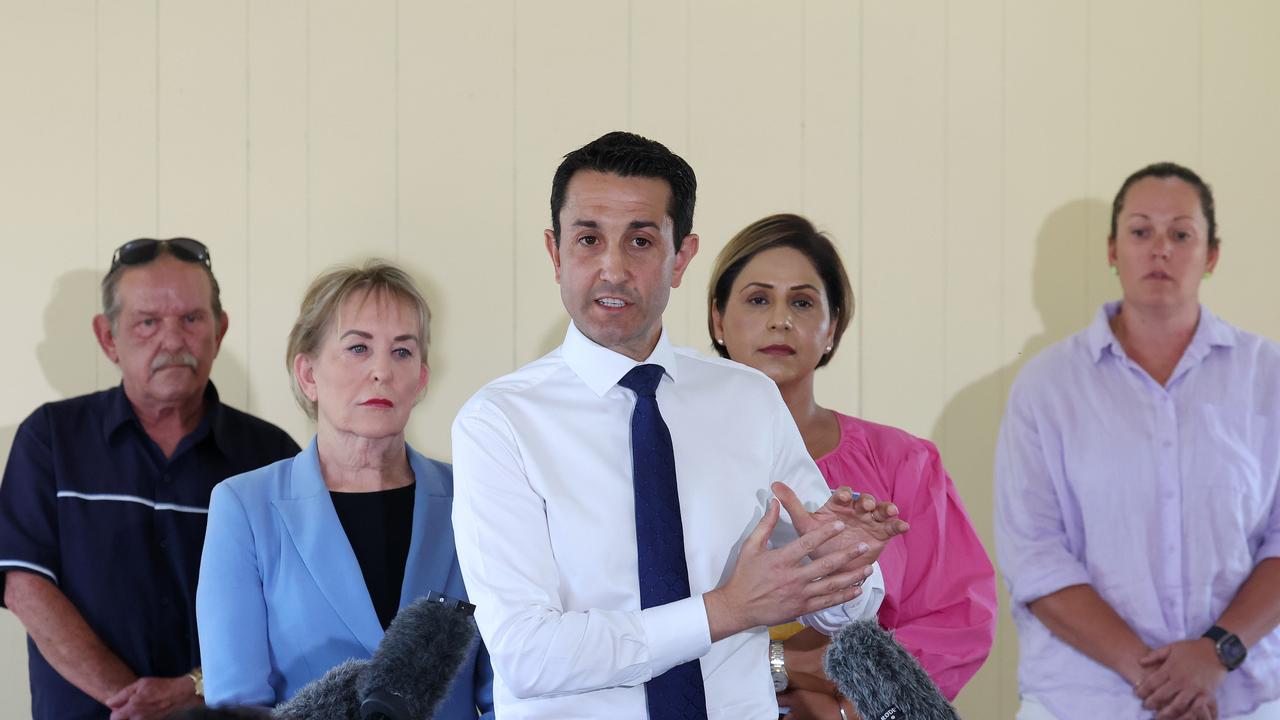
(1033, 545)
(1271, 537)
(537, 647)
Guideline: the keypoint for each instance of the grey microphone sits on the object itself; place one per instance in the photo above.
(407, 677)
(881, 678)
(332, 697)
(416, 662)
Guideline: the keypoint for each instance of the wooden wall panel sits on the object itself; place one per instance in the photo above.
(746, 116)
(457, 199)
(1144, 107)
(125, 99)
(659, 50)
(352, 132)
(1239, 115)
(831, 162)
(277, 208)
(201, 155)
(570, 88)
(903, 191)
(962, 155)
(971, 311)
(47, 283)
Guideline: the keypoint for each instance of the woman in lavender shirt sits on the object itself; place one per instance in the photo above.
(1137, 514)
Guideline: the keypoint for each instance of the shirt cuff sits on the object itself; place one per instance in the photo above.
(863, 607)
(1046, 581)
(676, 632)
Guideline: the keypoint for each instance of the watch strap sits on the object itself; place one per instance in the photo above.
(778, 666)
(1216, 633)
(197, 678)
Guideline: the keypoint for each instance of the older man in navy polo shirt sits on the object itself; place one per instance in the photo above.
(105, 497)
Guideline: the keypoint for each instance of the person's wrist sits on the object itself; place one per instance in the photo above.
(722, 619)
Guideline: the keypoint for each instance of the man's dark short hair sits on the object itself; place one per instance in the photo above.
(1164, 170)
(629, 155)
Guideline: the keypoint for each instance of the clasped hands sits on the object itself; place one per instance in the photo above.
(153, 697)
(769, 586)
(1180, 679)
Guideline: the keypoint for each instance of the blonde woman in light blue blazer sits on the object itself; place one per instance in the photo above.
(307, 560)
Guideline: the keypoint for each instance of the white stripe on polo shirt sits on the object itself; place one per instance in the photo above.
(29, 566)
(134, 499)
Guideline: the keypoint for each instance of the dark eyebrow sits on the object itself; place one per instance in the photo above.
(586, 223)
(642, 224)
(767, 286)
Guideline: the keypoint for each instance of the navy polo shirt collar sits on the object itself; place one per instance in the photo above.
(119, 412)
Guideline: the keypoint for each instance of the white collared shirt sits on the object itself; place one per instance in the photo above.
(544, 517)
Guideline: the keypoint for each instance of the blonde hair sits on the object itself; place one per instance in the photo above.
(320, 305)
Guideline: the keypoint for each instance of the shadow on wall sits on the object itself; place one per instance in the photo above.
(67, 352)
(1069, 270)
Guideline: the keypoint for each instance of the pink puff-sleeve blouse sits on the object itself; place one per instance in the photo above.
(940, 590)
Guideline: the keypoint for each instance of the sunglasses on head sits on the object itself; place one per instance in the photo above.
(144, 250)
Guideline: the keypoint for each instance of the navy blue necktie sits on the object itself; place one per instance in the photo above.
(664, 575)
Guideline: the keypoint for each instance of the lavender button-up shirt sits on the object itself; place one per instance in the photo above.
(1164, 499)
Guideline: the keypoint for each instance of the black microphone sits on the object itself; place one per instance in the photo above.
(416, 662)
(332, 697)
(881, 678)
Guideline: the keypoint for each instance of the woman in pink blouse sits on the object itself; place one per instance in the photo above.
(780, 301)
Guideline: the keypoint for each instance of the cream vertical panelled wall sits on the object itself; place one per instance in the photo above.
(963, 154)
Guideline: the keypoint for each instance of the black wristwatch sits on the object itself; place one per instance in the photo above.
(1231, 652)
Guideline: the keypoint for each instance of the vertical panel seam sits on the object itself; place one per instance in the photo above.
(862, 184)
(1088, 156)
(804, 104)
(97, 157)
(515, 184)
(306, 161)
(1200, 87)
(946, 201)
(395, 100)
(248, 215)
(156, 112)
(1003, 372)
(631, 77)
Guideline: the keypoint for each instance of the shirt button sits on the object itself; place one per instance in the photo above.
(164, 543)
(1168, 443)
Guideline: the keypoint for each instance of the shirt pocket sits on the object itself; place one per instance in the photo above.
(1228, 449)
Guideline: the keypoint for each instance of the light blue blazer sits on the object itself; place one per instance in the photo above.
(281, 598)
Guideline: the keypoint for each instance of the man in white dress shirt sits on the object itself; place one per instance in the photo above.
(549, 522)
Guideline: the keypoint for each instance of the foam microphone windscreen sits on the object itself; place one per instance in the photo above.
(881, 678)
(332, 697)
(417, 660)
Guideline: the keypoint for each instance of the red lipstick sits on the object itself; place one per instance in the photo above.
(379, 402)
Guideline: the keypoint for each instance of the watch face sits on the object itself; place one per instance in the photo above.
(1231, 651)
